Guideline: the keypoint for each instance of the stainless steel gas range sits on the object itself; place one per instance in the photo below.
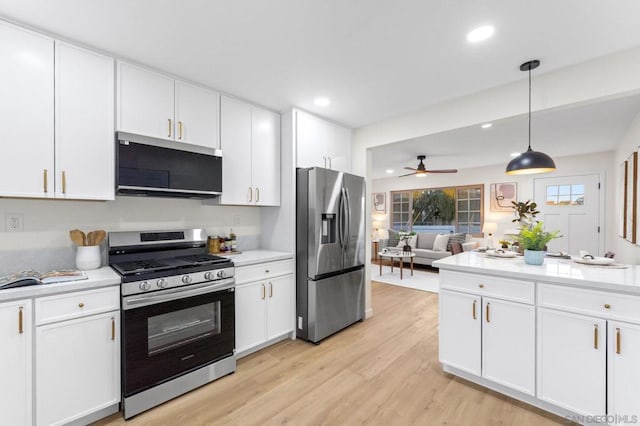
(178, 314)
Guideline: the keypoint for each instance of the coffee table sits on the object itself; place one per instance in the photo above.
(396, 255)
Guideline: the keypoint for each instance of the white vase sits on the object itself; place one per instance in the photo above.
(88, 258)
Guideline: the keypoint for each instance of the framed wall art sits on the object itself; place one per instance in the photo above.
(378, 203)
(501, 195)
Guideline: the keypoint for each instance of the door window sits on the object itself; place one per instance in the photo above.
(565, 195)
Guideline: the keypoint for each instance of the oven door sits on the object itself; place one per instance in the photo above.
(169, 333)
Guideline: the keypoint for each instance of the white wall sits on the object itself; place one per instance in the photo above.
(625, 251)
(599, 163)
(45, 243)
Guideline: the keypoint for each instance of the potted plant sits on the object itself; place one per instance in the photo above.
(533, 239)
(525, 212)
(504, 244)
(405, 237)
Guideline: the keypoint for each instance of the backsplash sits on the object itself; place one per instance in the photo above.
(44, 244)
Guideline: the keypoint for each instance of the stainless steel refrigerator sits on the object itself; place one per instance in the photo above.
(330, 236)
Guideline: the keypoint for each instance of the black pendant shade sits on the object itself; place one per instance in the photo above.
(530, 162)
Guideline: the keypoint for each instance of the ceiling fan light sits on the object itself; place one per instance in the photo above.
(530, 162)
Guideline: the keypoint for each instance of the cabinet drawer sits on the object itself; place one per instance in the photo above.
(591, 302)
(78, 304)
(488, 285)
(263, 271)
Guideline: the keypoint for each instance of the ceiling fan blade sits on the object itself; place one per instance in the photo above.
(410, 168)
(442, 171)
(410, 174)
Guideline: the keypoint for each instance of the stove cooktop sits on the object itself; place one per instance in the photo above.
(177, 264)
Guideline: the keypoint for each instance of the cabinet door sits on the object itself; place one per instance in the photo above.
(572, 361)
(15, 362)
(84, 124)
(265, 156)
(508, 344)
(145, 102)
(250, 315)
(338, 148)
(280, 315)
(77, 368)
(311, 136)
(623, 371)
(460, 325)
(26, 108)
(235, 141)
(197, 112)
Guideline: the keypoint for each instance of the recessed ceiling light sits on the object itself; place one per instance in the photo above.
(515, 154)
(389, 171)
(486, 125)
(321, 102)
(480, 34)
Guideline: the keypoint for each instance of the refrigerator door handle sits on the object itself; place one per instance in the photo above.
(348, 218)
(340, 219)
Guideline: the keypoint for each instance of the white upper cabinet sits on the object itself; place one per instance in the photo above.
(26, 108)
(153, 104)
(197, 112)
(321, 143)
(250, 142)
(145, 102)
(84, 124)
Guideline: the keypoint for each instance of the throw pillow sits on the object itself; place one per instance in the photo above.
(440, 244)
(425, 241)
(455, 238)
(393, 238)
(411, 241)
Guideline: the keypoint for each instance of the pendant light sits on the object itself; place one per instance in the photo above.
(531, 161)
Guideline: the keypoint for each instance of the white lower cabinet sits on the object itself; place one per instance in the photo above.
(572, 357)
(15, 362)
(623, 369)
(489, 338)
(264, 304)
(77, 360)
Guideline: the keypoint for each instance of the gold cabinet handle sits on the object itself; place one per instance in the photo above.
(266, 271)
(481, 285)
(618, 338)
(80, 305)
(607, 306)
(170, 126)
(20, 320)
(180, 130)
(595, 336)
(45, 181)
(487, 312)
(250, 194)
(263, 291)
(270, 289)
(64, 182)
(257, 195)
(113, 328)
(474, 310)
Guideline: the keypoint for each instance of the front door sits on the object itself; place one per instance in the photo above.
(571, 204)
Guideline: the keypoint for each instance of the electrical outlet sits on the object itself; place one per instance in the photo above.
(14, 222)
(236, 219)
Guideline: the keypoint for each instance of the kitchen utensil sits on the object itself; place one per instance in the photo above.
(78, 237)
(90, 238)
(98, 237)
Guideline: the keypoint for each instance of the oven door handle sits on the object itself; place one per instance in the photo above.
(168, 295)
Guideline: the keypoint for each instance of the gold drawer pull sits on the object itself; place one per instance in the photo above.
(170, 126)
(64, 182)
(474, 310)
(257, 195)
(481, 286)
(270, 289)
(45, 180)
(618, 345)
(80, 305)
(250, 194)
(595, 336)
(113, 328)
(180, 130)
(20, 321)
(607, 306)
(263, 291)
(487, 313)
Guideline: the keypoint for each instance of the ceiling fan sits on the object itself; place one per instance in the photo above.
(422, 171)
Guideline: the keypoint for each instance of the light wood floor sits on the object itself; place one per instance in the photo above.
(383, 371)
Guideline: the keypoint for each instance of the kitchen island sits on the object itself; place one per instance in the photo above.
(563, 336)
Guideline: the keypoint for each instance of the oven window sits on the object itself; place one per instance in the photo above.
(178, 328)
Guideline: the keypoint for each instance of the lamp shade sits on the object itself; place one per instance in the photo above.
(530, 162)
(381, 234)
(489, 227)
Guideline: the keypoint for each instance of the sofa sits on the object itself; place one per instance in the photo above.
(422, 244)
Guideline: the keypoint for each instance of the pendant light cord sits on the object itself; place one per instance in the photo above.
(529, 108)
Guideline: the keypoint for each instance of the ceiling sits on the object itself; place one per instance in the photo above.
(373, 59)
(583, 129)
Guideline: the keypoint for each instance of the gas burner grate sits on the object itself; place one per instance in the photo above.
(203, 259)
(135, 267)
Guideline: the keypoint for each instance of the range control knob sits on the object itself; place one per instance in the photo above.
(221, 273)
(186, 279)
(208, 275)
(144, 286)
(162, 283)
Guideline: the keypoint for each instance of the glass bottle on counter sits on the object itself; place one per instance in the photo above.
(232, 237)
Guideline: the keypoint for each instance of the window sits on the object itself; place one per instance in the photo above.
(565, 195)
(438, 210)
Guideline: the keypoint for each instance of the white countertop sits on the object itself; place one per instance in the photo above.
(559, 271)
(252, 257)
(101, 277)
